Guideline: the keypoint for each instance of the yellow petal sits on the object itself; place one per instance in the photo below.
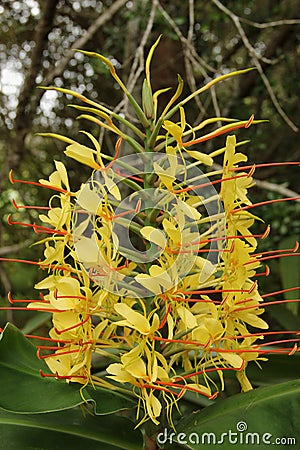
(112, 187)
(189, 211)
(134, 318)
(88, 199)
(201, 334)
(62, 171)
(253, 320)
(161, 276)
(119, 373)
(187, 317)
(134, 364)
(82, 154)
(154, 235)
(172, 231)
(87, 250)
(214, 327)
(233, 359)
(175, 130)
(155, 405)
(166, 177)
(199, 156)
(47, 283)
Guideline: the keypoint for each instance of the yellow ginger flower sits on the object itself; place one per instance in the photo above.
(174, 305)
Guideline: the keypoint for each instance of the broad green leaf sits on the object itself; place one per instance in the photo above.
(278, 369)
(284, 317)
(24, 390)
(268, 412)
(67, 430)
(36, 321)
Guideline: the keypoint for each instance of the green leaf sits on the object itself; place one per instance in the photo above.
(278, 369)
(284, 316)
(23, 390)
(67, 430)
(274, 410)
(37, 320)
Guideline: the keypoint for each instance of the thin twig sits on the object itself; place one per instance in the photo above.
(275, 23)
(81, 42)
(138, 62)
(6, 250)
(235, 19)
(190, 55)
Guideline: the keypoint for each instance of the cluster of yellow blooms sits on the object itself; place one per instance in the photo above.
(169, 317)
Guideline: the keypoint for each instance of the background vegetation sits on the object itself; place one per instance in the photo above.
(200, 41)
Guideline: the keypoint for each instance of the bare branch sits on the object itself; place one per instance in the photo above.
(138, 62)
(275, 23)
(23, 120)
(286, 192)
(235, 19)
(6, 250)
(29, 102)
(81, 42)
(190, 55)
(201, 63)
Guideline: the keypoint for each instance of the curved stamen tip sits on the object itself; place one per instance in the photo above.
(249, 121)
(10, 299)
(14, 203)
(266, 233)
(294, 350)
(57, 331)
(251, 171)
(253, 287)
(9, 220)
(10, 177)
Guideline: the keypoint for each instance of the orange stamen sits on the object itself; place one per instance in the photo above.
(38, 263)
(34, 183)
(220, 180)
(294, 249)
(163, 322)
(61, 377)
(276, 302)
(12, 301)
(267, 202)
(56, 354)
(131, 177)
(37, 228)
(281, 291)
(73, 326)
(294, 163)
(28, 207)
(117, 148)
(264, 274)
(218, 133)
